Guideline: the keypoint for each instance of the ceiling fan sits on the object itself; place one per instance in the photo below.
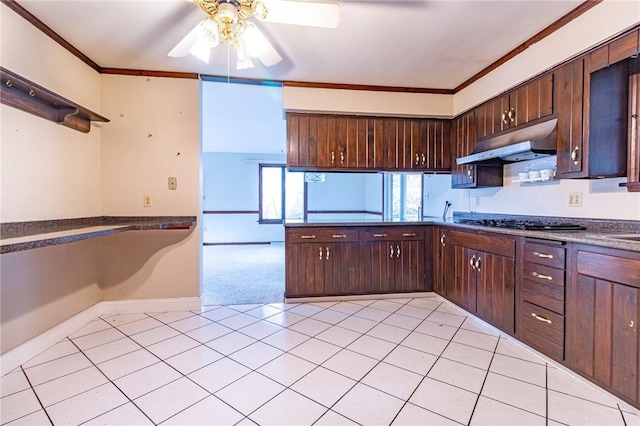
(229, 21)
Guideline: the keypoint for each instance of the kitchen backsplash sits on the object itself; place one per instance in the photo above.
(601, 198)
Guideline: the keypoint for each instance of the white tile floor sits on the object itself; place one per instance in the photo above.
(374, 362)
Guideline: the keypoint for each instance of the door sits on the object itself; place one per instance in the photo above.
(408, 266)
(461, 287)
(377, 259)
(305, 269)
(570, 80)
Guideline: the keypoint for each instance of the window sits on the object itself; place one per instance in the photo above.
(403, 196)
(281, 194)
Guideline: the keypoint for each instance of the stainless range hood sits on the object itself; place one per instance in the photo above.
(531, 142)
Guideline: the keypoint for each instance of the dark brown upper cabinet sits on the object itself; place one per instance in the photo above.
(529, 102)
(463, 141)
(342, 142)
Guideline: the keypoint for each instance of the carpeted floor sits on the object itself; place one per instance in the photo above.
(241, 274)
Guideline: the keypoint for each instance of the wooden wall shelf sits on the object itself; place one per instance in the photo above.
(25, 95)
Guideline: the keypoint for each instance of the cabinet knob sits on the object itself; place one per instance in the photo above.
(333, 157)
(575, 154)
(504, 118)
(478, 263)
(320, 253)
(472, 262)
(417, 159)
(424, 159)
(397, 251)
(341, 157)
(391, 250)
(328, 253)
(512, 115)
(443, 240)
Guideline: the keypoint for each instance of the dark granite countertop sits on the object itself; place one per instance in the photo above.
(19, 236)
(599, 232)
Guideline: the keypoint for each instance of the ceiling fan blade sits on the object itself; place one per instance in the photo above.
(258, 46)
(323, 15)
(182, 48)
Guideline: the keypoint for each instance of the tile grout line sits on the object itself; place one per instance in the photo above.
(37, 397)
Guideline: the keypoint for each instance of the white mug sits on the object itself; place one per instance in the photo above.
(534, 174)
(546, 173)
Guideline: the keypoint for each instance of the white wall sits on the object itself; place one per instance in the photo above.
(47, 171)
(366, 102)
(244, 118)
(230, 183)
(154, 134)
(345, 192)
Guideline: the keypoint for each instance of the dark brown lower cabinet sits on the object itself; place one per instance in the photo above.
(478, 274)
(602, 319)
(322, 262)
(327, 261)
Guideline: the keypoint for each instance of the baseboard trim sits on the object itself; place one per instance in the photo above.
(138, 306)
(421, 294)
(23, 353)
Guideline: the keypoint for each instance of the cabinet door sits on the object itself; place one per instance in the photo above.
(570, 80)
(302, 146)
(463, 176)
(633, 143)
(378, 259)
(461, 288)
(409, 266)
(341, 269)
(604, 313)
(439, 261)
(495, 286)
(375, 147)
(390, 143)
(305, 269)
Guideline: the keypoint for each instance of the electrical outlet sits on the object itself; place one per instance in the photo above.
(173, 183)
(575, 199)
(146, 200)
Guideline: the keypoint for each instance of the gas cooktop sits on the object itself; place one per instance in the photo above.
(523, 224)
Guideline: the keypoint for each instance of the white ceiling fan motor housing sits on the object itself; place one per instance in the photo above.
(228, 11)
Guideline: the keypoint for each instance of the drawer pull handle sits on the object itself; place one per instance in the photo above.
(320, 253)
(328, 253)
(443, 240)
(478, 263)
(539, 318)
(472, 262)
(542, 276)
(409, 234)
(379, 235)
(543, 255)
(397, 251)
(391, 252)
(308, 237)
(339, 236)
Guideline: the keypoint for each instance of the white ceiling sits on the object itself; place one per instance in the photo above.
(421, 44)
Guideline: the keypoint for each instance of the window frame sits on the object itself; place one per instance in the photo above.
(283, 187)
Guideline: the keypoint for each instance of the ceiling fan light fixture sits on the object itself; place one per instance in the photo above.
(253, 40)
(244, 60)
(201, 50)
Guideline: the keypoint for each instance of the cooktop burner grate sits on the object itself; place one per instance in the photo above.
(523, 224)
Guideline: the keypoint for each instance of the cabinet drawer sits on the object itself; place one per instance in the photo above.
(543, 274)
(321, 235)
(547, 296)
(392, 233)
(490, 243)
(611, 267)
(543, 322)
(545, 346)
(543, 254)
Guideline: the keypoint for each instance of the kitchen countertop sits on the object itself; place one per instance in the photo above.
(19, 236)
(599, 232)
